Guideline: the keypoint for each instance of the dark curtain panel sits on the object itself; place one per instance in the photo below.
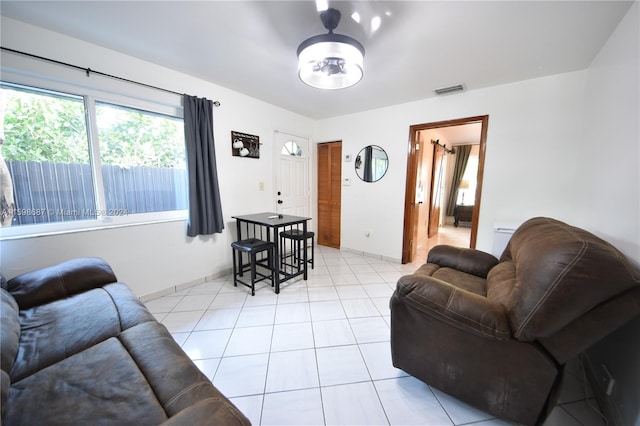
(368, 164)
(462, 157)
(205, 209)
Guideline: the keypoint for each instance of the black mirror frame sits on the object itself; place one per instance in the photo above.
(360, 160)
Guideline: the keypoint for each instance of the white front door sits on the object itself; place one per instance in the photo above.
(293, 193)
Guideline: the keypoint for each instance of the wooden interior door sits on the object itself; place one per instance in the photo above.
(329, 193)
(416, 210)
(423, 188)
(435, 202)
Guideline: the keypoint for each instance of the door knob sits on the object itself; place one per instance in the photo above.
(279, 193)
(279, 201)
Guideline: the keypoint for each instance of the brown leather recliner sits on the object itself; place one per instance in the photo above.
(496, 334)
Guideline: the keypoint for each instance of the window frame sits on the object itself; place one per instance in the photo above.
(104, 91)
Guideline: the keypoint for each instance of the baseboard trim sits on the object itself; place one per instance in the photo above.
(372, 255)
(184, 286)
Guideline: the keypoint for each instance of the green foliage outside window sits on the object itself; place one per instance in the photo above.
(131, 138)
(43, 128)
(49, 128)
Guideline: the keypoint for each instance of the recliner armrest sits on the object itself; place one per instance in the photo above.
(467, 260)
(59, 281)
(460, 308)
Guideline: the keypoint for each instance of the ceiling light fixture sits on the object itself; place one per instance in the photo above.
(330, 61)
(322, 5)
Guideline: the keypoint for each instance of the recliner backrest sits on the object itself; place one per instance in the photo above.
(562, 272)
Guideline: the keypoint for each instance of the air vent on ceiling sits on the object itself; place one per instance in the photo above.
(450, 89)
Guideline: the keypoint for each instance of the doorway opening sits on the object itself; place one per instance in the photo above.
(442, 189)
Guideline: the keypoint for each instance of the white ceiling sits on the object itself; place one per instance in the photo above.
(250, 46)
(461, 135)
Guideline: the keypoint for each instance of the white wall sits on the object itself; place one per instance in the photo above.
(151, 258)
(607, 184)
(534, 131)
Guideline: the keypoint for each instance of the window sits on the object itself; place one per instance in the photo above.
(143, 160)
(468, 184)
(77, 159)
(291, 148)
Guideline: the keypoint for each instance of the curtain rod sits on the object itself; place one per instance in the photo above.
(89, 71)
(447, 150)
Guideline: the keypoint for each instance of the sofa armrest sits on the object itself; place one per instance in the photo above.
(474, 262)
(211, 411)
(462, 309)
(59, 281)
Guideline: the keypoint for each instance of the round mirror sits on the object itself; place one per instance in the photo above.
(371, 163)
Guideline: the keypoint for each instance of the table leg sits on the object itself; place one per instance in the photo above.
(238, 229)
(304, 251)
(276, 260)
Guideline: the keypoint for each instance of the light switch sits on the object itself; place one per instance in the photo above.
(261, 186)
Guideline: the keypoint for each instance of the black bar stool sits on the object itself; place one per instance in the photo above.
(253, 246)
(299, 238)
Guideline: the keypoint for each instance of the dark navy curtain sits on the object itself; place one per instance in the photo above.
(205, 208)
(368, 164)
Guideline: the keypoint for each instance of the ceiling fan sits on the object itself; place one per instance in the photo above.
(330, 61)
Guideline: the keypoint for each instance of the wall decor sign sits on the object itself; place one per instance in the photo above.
(244, 145)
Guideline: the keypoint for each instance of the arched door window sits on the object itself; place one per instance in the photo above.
(292, 149)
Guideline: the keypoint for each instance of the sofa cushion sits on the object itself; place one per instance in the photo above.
(462, 280)
(5, 383)
(9, 330)
(59, 281)
(562, 273)
(51, 332)
(153, 349)
(140, 377)
(466, 281)
(462, 309)
(100, 385)
(9, 340)
(501, 281)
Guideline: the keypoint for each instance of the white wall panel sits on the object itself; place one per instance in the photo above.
(534, 130)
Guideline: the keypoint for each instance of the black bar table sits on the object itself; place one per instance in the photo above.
(274, 222)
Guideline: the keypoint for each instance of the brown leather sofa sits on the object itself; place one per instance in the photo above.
(497, 333)
(78, 348)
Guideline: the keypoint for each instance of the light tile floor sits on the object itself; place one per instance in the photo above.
(459, 236)
(318, 353)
